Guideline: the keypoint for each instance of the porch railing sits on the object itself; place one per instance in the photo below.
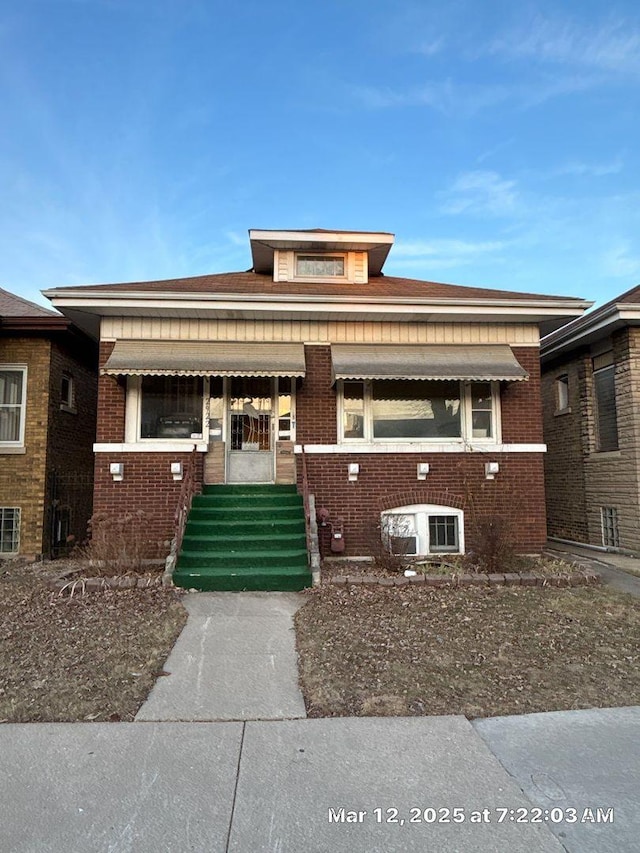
(187, 491)
(310, 522)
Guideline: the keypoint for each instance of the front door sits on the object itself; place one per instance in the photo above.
(250, 430)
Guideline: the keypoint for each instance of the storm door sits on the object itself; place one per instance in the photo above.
(250, 430)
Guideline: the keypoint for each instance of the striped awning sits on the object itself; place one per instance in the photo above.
(406, 361)
(202, 358)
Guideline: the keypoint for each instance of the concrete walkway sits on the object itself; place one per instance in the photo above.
(616, 570)
(350, 785)
(234, 660)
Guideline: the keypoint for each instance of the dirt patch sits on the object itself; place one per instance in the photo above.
(378, 651)
(80, 657)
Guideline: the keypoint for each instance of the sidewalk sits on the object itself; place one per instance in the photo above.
(616, 570)
(297, 785)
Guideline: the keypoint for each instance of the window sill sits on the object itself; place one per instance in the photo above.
(152, 447)
(603, 455)
(16, 450)
(559, 412)
(69, 409)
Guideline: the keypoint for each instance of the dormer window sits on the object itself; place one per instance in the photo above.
(320, 266)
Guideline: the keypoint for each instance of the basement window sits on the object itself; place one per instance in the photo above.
(423, 529)
(609, 521)
(9, 529)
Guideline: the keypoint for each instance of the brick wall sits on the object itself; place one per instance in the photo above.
(456, 479)
(72, 433)
(148, 486)
(316, 413)
(567, 438)
(111, 402)
(22, 476)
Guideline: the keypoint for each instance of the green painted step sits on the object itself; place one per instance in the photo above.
(245, 536)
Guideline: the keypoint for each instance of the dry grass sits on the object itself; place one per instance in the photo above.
(478, 652)
(85, 657)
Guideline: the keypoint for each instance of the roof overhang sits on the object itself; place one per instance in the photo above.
(590, 328)
(85, 308)
(204, 358)
(411, 361)
(375, 243)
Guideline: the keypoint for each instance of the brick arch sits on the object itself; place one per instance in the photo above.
(421, 496)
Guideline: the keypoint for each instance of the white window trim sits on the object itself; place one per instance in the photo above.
(17, 446)
(465, 420)
(133, 417)
(421, 513)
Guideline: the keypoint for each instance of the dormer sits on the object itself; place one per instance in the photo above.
(320, 255)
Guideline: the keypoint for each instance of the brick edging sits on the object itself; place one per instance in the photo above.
(507, 579)
(83, 585)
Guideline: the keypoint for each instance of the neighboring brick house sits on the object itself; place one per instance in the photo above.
(48, 391)
(417, 403)
(591, 398)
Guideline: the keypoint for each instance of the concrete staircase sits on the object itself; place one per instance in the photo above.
(244, 537)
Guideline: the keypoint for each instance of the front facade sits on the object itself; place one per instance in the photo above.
(412, 409)
(48, 390)
(591, 394)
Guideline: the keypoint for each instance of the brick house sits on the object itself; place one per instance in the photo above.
(591, 399)
(48, 393)
(415, 405)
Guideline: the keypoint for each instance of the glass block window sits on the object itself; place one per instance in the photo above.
(9, 530)
(610, 532)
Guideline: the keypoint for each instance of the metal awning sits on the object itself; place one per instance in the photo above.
(202, 358)
(405, 361)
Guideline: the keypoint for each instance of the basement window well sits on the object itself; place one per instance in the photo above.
(422, 530)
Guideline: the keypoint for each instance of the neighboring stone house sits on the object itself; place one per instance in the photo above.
(48, 392)
(591, 397)
(417, 404)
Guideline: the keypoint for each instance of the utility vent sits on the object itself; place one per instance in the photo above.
(609, 520)
(403, 546)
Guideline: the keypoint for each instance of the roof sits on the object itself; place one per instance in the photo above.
(15, 306)
(618, 313)
(251, 283)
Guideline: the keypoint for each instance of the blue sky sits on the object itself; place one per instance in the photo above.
(140, 139)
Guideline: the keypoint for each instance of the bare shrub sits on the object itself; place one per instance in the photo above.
(116, 543)
(493, 549)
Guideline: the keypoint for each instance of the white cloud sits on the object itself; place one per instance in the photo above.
(445, 253)
(610, 47)
(480, 192)
(593, 170)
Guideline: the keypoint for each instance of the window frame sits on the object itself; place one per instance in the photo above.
(134, 403)
(562, 393)
(343, 256)
(606, 364)
(68, 403)
(15, 534)
(421, 514)
(18, 444)
(466, 416)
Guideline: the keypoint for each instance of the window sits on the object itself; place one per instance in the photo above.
(609, 521)
(418, 410)
(562, 393)
(67, 392)
(13, 387)
(320, 266)
(606, 418)
(9, 530)
(423, 529)
(171, 407)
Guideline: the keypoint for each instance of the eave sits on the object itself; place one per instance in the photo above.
(589, 328)
(86, 308)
